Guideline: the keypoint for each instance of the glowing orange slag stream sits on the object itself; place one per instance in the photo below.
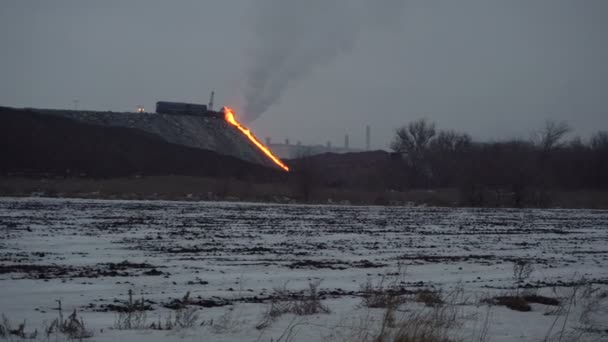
(229, 114)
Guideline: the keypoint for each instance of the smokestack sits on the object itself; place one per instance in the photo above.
(346, 142)
(267, 141)
(286, 141)
(210, 105)
(368, 138)
(328, 146)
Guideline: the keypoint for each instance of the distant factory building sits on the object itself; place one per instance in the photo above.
(290, 151)
(298, 151)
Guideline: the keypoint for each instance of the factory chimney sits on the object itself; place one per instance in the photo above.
(268, 141)
(210, 105)
(368, 138)
(346, 142)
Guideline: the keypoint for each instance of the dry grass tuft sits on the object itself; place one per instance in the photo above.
(383, 294)
(283, 302)
(133, 316)
(73, 327)
(310, 302)
(430, 323)
(7, 330)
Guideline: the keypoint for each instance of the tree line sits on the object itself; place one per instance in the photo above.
(523, 171)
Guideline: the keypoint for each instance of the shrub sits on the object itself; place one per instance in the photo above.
(522, 269)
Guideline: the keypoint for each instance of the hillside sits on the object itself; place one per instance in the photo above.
(202, 132)
(35, 144)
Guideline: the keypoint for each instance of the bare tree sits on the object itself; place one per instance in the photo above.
(450, 141)
(599, 141)
(599, 157)
(549, 139)
(551, 135)
(447, 151)
(414, 138)
(413, 141)
(305, 175)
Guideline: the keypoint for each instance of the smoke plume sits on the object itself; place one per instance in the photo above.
(292, 37)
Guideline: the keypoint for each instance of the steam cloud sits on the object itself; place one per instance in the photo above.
(292, 37)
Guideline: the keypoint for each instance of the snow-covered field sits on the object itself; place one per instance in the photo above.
(232, 257)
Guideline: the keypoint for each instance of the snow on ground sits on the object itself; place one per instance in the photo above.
(230, 257)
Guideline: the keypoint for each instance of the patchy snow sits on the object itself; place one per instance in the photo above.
(238, 253)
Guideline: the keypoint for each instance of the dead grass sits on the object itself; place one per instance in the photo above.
(429, 316)
(522, 269)
(133, 316)
(387, 292)
(186, 317)
(582, 325)
(310, 302)
(380, 295)
(430, 323)
(7, 330)
(72, 328)
(283, 302)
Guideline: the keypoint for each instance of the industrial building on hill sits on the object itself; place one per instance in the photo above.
(178, 108)
(181, 108)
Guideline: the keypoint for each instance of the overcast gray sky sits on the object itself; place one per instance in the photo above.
(492, 68)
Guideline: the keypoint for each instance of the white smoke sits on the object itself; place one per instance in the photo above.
(292, 37)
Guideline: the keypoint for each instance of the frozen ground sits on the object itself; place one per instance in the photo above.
(231, 257)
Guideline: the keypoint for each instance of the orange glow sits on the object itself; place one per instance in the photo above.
(229, 115)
